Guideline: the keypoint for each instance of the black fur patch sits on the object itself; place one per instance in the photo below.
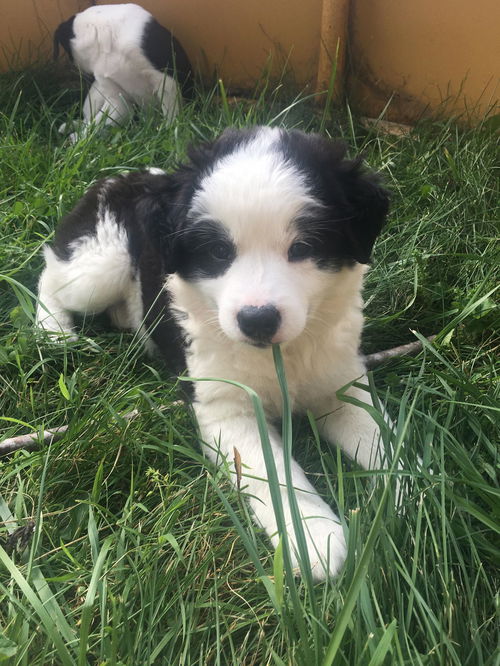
(78, 223)
(166, 54)
(160, 321)
(324, 242)
(126, 197)
(204, 157)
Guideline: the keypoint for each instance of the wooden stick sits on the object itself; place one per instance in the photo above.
(377, 358)
(32, 441)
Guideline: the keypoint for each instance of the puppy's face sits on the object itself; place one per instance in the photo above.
(270, 217)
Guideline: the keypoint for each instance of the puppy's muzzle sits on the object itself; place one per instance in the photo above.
(260, 324)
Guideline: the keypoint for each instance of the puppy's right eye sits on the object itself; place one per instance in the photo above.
(221, 251)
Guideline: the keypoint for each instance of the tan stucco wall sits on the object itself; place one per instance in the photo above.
(26, 28)
(420, 53)
(236, 38)
(432, 55)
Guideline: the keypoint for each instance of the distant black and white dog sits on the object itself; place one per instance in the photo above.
(262, 237)
(131, 58)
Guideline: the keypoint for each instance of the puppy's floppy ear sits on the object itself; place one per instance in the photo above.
(368, 203)
(356, 196)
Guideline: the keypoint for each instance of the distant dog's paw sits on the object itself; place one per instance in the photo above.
(64, 128)
(74, 136)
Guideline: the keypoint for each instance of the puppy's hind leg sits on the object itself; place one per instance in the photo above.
(51, 314)
(128, 313)
(98, 276)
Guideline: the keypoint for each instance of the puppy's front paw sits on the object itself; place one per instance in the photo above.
(56, 336)
(325, 545)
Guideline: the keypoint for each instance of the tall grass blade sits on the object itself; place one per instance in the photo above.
(88, 605)
(43, 615)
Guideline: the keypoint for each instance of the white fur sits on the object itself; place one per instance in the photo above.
(256, 195)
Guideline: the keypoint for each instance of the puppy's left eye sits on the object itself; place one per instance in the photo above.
(221, 251)
(299, 251)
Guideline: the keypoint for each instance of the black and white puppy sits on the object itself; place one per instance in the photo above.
(131, 57)
(262, 237)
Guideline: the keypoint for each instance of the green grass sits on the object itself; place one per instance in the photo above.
(142, 553)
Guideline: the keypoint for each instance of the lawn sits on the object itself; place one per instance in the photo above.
(141, 552)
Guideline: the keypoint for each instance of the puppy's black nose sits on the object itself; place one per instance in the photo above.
(259, 324)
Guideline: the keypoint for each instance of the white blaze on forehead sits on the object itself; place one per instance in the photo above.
(254, 192)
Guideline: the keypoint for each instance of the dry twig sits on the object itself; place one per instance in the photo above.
(377, 358)
(33, 439)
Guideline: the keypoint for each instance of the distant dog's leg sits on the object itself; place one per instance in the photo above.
(92, 105)
(324, 535)
(106, 102)
(51, 315)
(168, 93)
